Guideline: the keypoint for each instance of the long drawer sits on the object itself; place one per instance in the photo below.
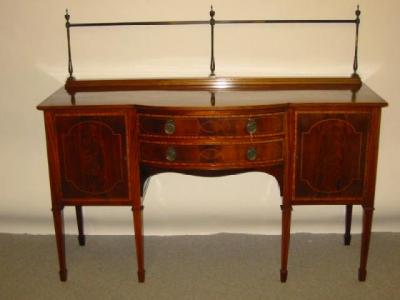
(229, 153)
(237, 126)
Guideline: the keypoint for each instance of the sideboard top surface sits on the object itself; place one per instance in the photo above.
(224, 97)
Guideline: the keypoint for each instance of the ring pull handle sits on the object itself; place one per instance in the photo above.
(251, 153)
(169, 127)
(251, 126)
(170, 154)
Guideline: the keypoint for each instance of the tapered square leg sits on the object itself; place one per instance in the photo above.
(349, 215)
(79, 221)
(286, 219)
(138, 227)
(58, 218)
(365, 240)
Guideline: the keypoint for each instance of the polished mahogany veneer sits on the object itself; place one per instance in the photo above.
(202, 126)
(92, 155)
(318, 137)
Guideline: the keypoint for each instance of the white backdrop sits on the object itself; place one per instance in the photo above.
(33, 65)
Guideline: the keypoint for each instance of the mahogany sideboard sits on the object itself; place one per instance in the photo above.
(317, 136)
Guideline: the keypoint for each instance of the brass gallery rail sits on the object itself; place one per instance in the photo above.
(212, 22)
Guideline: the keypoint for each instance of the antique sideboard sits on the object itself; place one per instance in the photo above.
(317, 136)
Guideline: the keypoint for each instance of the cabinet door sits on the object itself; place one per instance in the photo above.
(330, 155)
(92, 156)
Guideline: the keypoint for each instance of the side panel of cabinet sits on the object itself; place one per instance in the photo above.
(92, 155)
(330, 155)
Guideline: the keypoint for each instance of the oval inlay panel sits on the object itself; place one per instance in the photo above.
(92, 157)
(215, 126)
(210, 154)
(331, 156)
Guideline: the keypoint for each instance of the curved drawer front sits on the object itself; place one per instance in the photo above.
(235, 154)
(201, 126)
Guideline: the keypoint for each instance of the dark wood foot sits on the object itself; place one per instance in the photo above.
(82, 240)
(79, 221)
(141, 276)
(347, 240)
(284, 276)
(347, 234)
(286, 217)
(63, 275)
(362, 275)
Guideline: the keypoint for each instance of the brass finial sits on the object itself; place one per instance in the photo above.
(358, 12)
(212, 12)
(67, 16)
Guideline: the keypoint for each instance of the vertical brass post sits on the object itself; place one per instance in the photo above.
(212, 24)
(357, 21)
(67, 25)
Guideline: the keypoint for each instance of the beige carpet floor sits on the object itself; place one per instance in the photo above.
(222, 266)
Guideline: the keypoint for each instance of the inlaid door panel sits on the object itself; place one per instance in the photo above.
(92, 152)
(330, 154)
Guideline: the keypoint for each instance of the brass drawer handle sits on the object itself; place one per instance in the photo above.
(171, 154)
(251, 126)
(251, 153)
(169, 127)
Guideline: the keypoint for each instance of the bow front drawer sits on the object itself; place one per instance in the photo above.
(201, 126)
(164, 153)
